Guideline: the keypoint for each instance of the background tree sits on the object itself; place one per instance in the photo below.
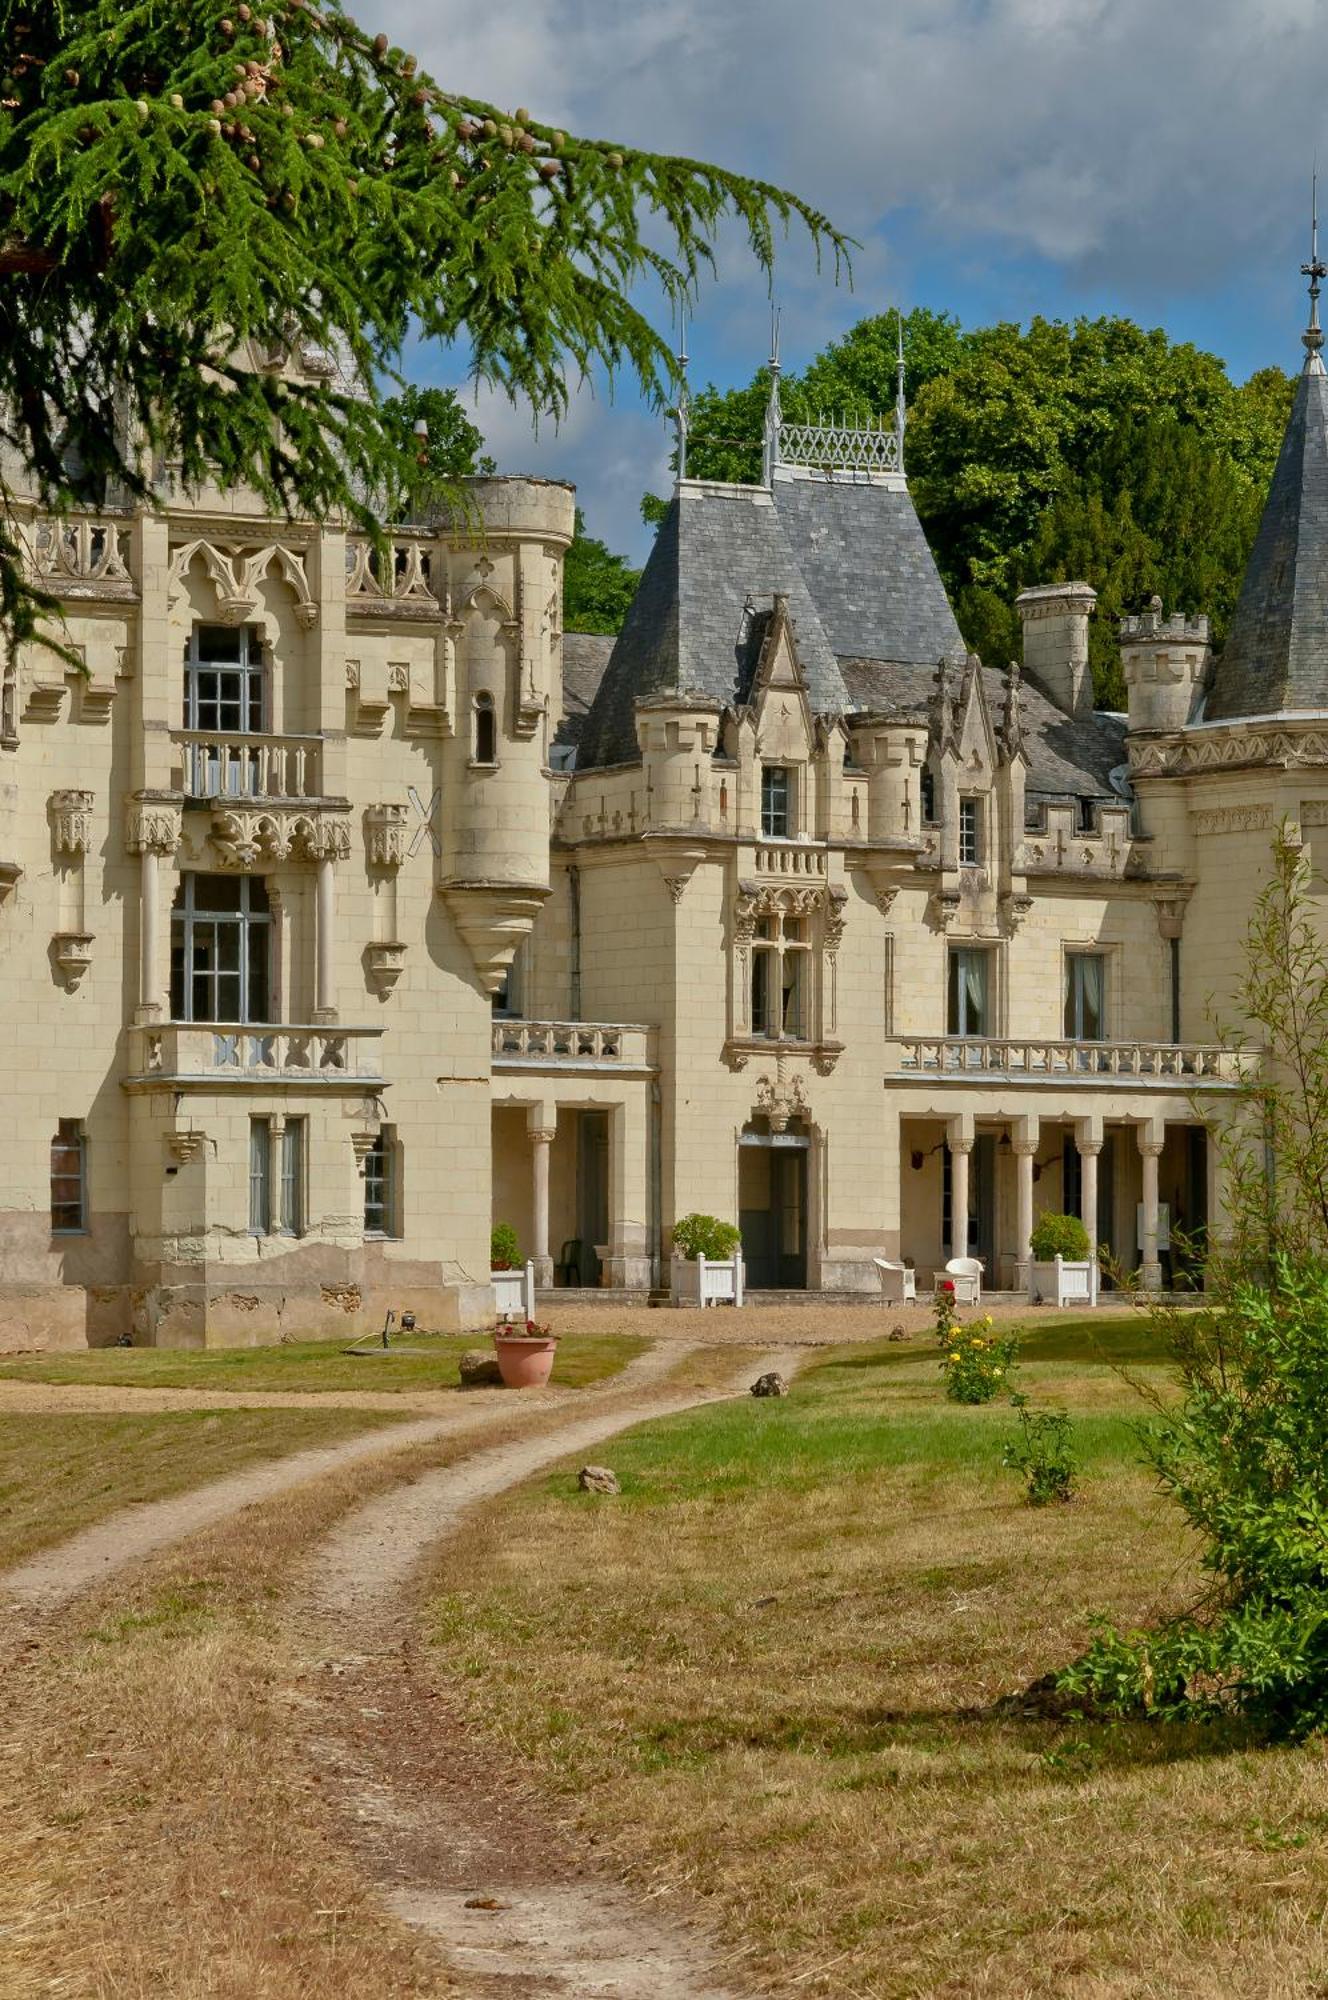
(186, 193)
(1094, 450)
(450, 448)
(598, 586)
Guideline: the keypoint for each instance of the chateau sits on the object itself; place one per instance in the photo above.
(346, 905)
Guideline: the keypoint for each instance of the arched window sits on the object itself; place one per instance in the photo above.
(486, 730)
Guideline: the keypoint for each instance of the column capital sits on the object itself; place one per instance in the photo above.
(1088, 1149)
(1024, 1149)
(153, 826)
(1151, 1143)
(542, 1135)
(959, 1134)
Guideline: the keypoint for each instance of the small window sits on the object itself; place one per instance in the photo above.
(276, 1176)
(969, 1000)
(507, 1000)
(970, 833)
(380, 1186)
(69, 1178)
(1085, 996)
(486, 730)
(928, 800)
(776, 801)
(1087, 815)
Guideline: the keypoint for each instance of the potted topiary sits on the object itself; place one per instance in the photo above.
(513, 1282)
(525, 1353)
(706, 1265)
(1062, 1270)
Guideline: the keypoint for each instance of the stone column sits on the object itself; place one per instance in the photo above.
(153, 830)
(1151, 1140)
(1024, 1137)
(149, 1006)
(324, 921)
(541, 1140)
(959, 1138)
(1088, 1141)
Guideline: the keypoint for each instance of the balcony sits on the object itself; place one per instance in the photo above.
(207, 1055)
(965, 1059)
(571, 1045)
(791, 861)
(217, 766)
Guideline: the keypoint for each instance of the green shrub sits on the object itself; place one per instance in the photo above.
(1058, 1236)
(1043, 1452)
(704, 1236)
(504, 1248)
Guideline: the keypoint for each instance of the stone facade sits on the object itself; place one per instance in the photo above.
(346, 907)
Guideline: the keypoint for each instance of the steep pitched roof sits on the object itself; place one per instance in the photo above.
(861, 548)
(1276, 654)
(585, 657)
(720, 555)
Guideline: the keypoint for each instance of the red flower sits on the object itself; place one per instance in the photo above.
(947, 1284)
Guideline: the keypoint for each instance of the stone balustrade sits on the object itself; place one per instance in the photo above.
(804, 863)
(209, 1054)
(569, 1045)
(226, 765)
(968, 1057)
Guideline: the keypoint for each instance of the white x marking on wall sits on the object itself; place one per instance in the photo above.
(426, 825)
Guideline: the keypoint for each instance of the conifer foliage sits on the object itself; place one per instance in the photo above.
(189, 188)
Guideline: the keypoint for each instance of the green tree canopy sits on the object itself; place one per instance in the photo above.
(1094, 450)
(598, 586)
(186, 192)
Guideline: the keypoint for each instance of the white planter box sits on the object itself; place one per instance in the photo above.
(706, 1281)
(514, 1293)
(1064, 1282)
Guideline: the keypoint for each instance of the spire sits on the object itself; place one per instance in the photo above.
(1314, 270)
(774, 415)
(899, 386)
(942, 706)
(682, 409)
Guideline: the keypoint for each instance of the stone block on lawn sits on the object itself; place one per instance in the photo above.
(772, 1384)
(597, 1479)
(479, 1369)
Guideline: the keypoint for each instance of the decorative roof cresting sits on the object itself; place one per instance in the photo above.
(830, 447)
(1314, 271)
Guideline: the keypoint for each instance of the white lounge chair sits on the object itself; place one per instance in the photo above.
(899, 1284)
(965, 1274)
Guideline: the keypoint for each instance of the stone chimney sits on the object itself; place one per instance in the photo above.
(1055, 619)
(1164, 661)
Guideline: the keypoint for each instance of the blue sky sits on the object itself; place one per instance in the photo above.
(996, 158)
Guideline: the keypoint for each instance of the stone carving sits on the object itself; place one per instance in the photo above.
(243, 835)
(1296, 746)
(236, 574)
(384, 962)
(1232, 819)
(385, 835)
(153, 827)
(83, 558)
(73, 955)
(782, 1099)
(185, 1146)
(71, 821)
(401, 577)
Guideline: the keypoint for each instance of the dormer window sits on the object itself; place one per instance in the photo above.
(970, 833)
(776, 801)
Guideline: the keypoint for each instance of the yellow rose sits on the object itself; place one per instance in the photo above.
(998, 1371)
(954, 1357)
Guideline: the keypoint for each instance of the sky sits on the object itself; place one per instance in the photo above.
(994, 158)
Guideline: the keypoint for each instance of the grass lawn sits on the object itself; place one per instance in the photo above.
(583, 1358)
(59, 1473)
(767, 1675)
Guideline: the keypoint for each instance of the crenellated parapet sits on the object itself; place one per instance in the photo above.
(1164, 660)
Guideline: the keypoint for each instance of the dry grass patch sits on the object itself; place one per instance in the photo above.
(769, 1676)
(59, 1473)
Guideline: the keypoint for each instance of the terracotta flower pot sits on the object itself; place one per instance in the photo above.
(525, 1361)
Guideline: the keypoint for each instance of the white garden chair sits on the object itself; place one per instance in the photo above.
(899, 1284)
(965, 1274)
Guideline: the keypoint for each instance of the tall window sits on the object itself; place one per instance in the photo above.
(69, 1178)
(927, 791)
(781, 961)
(1085, 996)
(221, 949)
(381, 1186)
(276, 1176)
(970, 833)
(486, 730)
(223, 696)
(969, 998)
(776, 801)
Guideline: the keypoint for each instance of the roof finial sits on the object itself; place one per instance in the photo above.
(682, 408)
(899, 386)
(1314, 270)
(774, 415)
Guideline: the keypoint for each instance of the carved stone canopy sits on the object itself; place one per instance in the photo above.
(781, 1099)
(154, 826)
(244, 835)
(71, 821)
(385, 835)
(236, 574)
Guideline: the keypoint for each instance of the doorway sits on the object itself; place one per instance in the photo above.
(772, 1209)
(592, 1189)
(981, 1232)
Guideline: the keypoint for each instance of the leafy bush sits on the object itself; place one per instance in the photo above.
(1043, 1452)
(975, 1363)
(704, 1236)
(1058, 1236)
(504, 1248)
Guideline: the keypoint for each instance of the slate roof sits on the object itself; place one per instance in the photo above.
(719, 556)
(1068, 755)
(868, 566)
(585, 656)
(1276, 653)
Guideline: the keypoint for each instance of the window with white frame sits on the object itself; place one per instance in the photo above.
(276, 1176)
(382, 1185)
(970, 833)
(969, 995)
(777, 788)
(225, 694)
(69, 1178)
(221, 949)
(781, 977)
(1085, 996)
